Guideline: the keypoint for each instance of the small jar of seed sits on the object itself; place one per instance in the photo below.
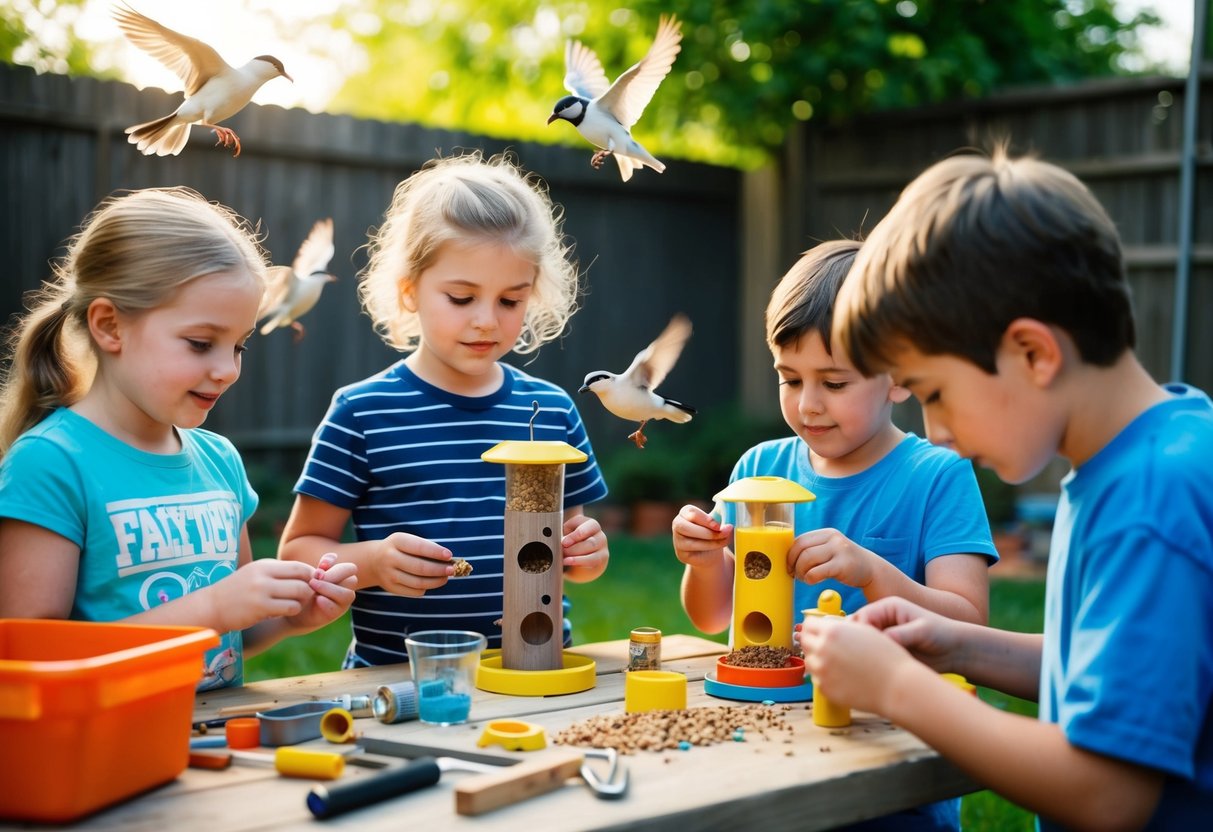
(644, 649)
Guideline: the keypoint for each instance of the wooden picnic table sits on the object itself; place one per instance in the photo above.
(809, 778)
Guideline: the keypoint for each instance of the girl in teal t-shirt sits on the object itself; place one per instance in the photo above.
(114, 505)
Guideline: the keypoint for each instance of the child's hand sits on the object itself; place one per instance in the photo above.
(828, 553)
(333, 586)
(584, 545)
(405, 564)
(699, 538)
(851, 662)
(261, 589)
(931, 638)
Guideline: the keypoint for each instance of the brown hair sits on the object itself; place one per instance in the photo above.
(803, 300)
(974, 243)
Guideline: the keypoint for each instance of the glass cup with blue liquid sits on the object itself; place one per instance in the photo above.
(444, 665)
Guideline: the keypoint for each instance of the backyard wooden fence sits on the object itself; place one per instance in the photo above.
(1122, 137)
(660, 244)
(704, 240)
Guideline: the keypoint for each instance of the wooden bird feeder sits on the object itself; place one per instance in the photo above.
(531, 626)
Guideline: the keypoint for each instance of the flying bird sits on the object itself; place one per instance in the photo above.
(293, 290)
(214, 91)
(604, 112)
(632, 394)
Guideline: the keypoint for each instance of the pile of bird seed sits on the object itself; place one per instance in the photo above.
(757, 656)
(664, 730)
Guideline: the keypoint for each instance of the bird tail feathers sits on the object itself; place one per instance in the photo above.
(678, 412)
(162, 137)
(628, 164)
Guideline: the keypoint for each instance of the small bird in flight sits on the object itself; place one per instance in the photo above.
(604, 112)
(214, 91)
(293, 290)
(631, 395)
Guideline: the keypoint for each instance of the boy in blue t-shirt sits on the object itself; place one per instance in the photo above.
(994, 290)
(893, 515)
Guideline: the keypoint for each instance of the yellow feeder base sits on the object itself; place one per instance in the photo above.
(579, 673)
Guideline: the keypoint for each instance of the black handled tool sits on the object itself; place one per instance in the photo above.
(325, 801)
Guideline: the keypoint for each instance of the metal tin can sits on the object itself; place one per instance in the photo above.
(644, 649)
(395, 703)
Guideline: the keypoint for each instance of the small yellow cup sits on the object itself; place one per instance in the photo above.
(654, 690)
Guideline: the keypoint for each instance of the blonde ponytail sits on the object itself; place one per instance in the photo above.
(136, 250)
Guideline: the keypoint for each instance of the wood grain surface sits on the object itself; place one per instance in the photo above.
(806, 778)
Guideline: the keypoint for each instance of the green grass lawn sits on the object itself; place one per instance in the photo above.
(641, 590)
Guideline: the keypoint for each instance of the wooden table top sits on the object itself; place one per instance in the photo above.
(809, 778)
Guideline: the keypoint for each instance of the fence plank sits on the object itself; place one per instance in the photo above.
(658, 245)
(1121, 137)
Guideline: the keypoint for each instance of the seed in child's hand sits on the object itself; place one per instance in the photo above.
(462, 567)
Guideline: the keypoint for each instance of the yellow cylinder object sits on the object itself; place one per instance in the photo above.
(828, 714)
(654, 690)
(312, 765)
(337, 725)
(762, 604)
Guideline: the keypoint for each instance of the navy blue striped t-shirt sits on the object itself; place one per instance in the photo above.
(404, 456)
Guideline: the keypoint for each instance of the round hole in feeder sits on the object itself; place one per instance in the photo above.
(757, 628)
(757, 565)
(536, 628)
(545, 599)
(535, 557)
(547, 531)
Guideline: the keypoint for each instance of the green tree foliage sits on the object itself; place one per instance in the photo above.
(43, 35)
(748, 68)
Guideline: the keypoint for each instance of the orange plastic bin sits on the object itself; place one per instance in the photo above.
(91, 713)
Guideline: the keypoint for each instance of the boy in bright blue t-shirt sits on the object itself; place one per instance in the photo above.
(995, 291)
(893, 515)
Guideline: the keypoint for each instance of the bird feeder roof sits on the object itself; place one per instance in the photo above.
(765, 490)
(533, 453)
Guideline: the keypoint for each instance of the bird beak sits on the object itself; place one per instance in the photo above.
(552, 118)
(585, 388)
(287, 77)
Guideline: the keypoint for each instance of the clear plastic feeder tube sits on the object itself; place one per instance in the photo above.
(534, 487)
